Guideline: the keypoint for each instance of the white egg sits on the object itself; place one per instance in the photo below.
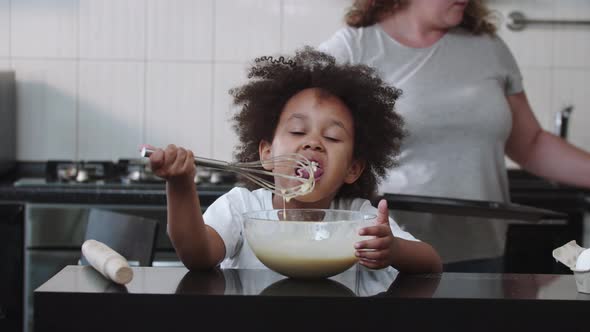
(583, 262)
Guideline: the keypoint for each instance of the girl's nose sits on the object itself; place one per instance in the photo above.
(313, 145)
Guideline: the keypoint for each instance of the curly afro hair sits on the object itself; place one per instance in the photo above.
(378, 129)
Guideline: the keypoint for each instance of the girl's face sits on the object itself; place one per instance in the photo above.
(442, 14)
(321, 128)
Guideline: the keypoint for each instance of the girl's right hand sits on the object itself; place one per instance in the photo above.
(173, 163)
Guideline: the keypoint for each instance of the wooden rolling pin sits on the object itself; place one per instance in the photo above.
(107, 261)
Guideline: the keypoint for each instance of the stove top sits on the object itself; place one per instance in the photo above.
(127, 172)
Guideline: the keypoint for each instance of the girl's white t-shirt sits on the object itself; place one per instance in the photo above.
(226, 217)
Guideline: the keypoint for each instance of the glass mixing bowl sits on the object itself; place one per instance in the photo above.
(306, 243)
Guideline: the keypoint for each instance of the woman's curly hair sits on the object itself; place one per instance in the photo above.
(477, 18)
(378, 128)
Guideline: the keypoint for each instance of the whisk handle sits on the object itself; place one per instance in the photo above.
(211, 163)
(146, 152)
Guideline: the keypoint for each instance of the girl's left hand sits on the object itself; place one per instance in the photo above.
(378, 252)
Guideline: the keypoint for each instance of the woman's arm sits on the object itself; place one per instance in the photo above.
(541, 152)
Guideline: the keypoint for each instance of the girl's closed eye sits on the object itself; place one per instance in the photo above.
(297, 133)
(334, 135)
(332, 139)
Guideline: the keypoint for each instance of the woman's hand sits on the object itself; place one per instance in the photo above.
(174, 164)
(377, 253)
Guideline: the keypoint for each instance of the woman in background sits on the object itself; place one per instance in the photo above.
(465, 109)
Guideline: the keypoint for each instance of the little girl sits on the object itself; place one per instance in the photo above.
(339, 116)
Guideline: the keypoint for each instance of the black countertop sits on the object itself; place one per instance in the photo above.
(525, 189)
(79, 298)
(132, 194)
(35, 190)
(31, 188)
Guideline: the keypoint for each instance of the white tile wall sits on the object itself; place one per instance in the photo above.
(46, 118)
(572, 87)
(572, 43)
(5, 64)
(179, 106)
(111, 105)
(310, 22)
(180, 30)
(227, 76)
(4, 28)
(112, 29)
(538, 84)
(98, 77)
(555, 61)
(44, 28)
(531, 46)
(245, 29)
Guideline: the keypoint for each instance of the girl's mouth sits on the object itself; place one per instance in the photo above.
(317, 171)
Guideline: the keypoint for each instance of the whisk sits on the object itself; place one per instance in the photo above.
(254, 171)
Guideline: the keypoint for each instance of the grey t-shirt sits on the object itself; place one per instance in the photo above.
(458, 118)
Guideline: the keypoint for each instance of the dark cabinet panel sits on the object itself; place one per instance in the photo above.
(11, 267)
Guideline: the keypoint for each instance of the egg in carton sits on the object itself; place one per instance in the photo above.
(578, 260)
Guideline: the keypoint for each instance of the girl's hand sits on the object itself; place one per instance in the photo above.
(173, 163)
(377, 253)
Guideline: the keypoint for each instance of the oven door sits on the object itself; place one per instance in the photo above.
(54, 234)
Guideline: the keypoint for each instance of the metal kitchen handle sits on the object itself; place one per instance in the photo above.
(519, 21)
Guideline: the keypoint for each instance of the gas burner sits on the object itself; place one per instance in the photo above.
(79, 171)
(124, 171)
(137, 171)
(222, 177)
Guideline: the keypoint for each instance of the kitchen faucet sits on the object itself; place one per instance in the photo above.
(561, 121)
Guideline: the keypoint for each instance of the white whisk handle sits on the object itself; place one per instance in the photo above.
(146, 152)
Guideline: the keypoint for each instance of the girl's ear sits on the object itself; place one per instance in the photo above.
(265, 152)
(355, 170)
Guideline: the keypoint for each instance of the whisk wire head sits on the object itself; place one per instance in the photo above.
(253, 171)
(256, 171)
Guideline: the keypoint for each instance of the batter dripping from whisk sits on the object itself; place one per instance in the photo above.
(307, 171)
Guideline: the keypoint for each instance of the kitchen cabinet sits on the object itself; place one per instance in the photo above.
(11, 266)
(52, 225)
(65, 207)
(529, 247)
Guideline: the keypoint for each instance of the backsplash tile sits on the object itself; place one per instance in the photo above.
(4, 28)
(180, 30)
(159, 70)
(178, 108)
(5, 64)
(227, 76)
(245, 29)
(111, 106)
(538, 85)
(112, 29)
(571, 88)
(572, 43)
(531, 46)
(310, 22)
(44, 28)
(46, 118)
